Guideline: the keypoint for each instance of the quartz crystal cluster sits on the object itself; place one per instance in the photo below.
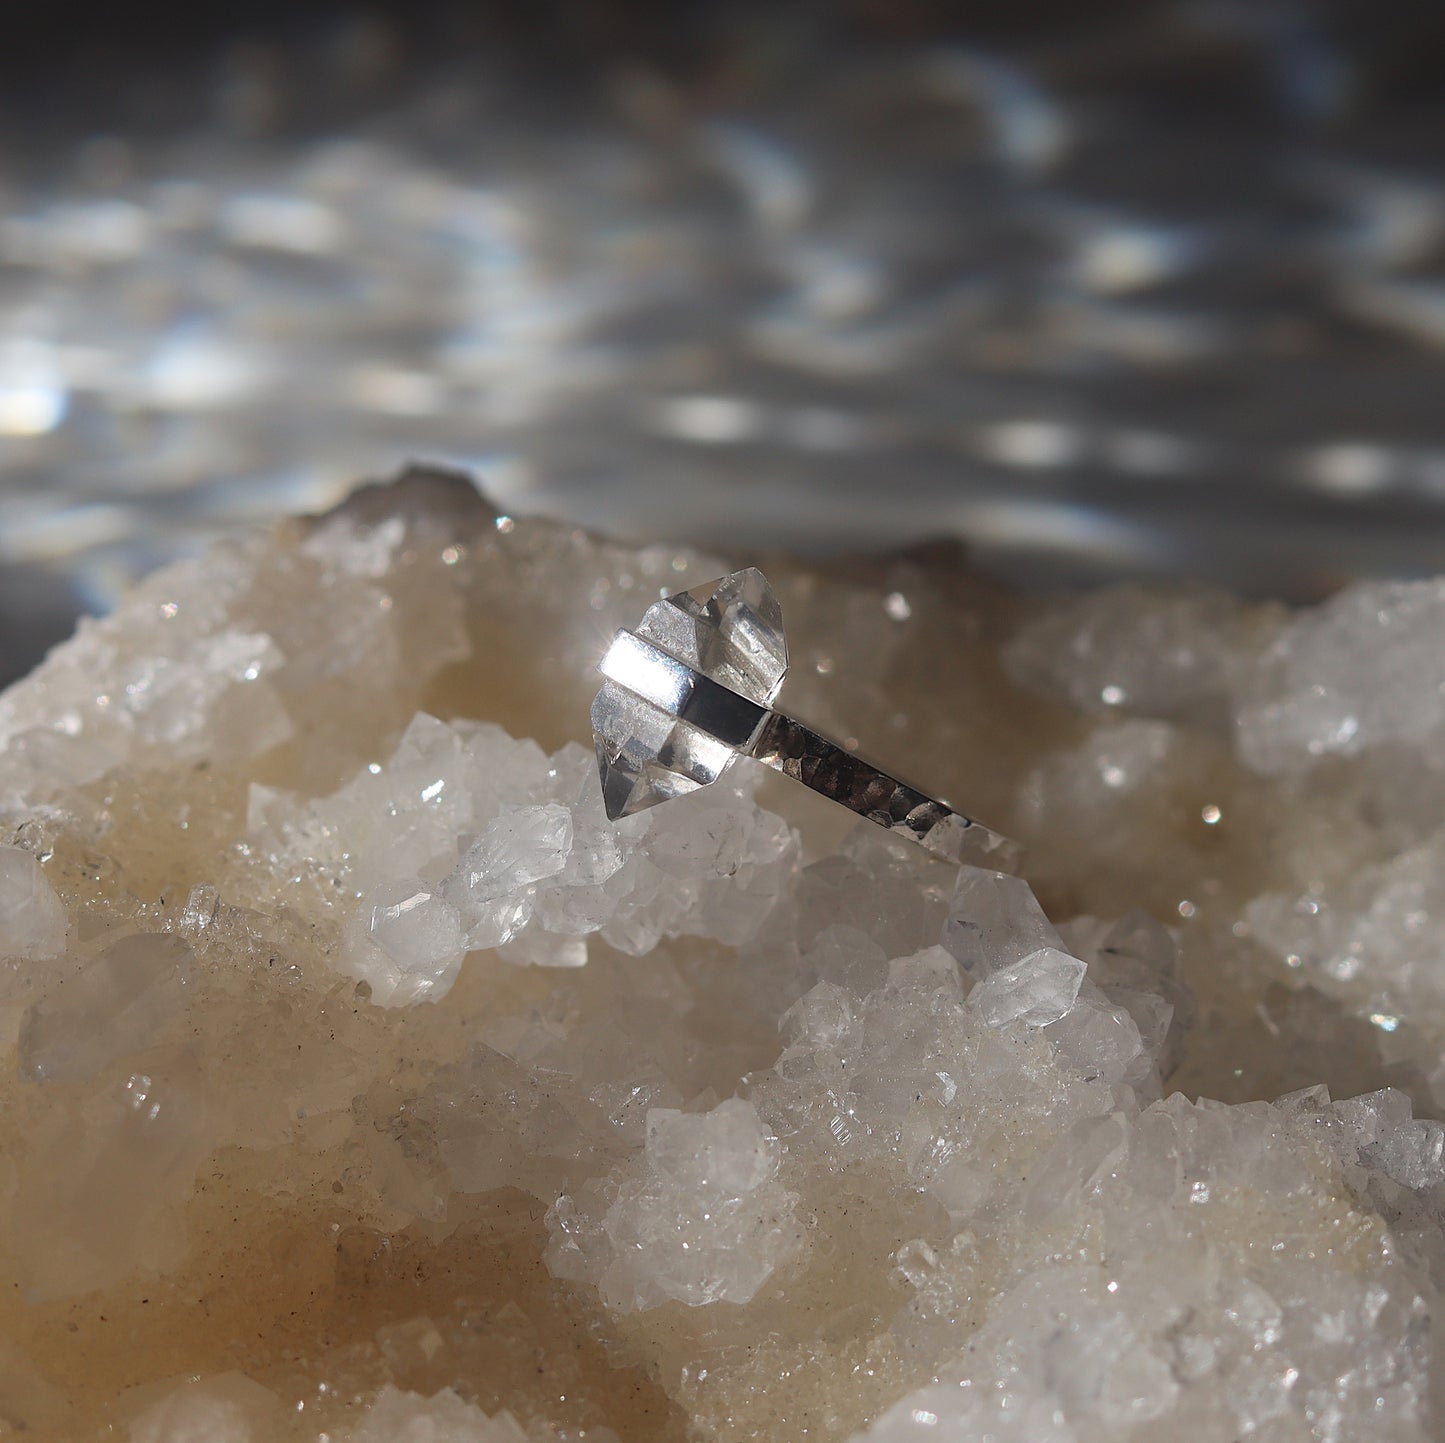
(365, 1083)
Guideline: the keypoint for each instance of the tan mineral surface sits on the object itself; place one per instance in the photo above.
(363, 1082)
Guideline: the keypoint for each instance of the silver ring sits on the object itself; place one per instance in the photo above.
(691, 689)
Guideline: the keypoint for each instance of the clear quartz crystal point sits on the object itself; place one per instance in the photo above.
(647, 756)
(731, 631)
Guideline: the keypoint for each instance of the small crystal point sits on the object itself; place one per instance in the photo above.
(731, 630)
(646, 756)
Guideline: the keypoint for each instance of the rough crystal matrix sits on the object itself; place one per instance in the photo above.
(363, 1082)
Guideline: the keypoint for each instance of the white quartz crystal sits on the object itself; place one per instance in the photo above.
(994, 921)
(363, 1081)
(521, 854)
(1036, 991)
(32, 918)
(700, 1218)
(493, 884)
(1364, 670)
(405, 942)
(1240, 1341)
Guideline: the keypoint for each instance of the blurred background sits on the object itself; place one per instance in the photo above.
(1117, 288)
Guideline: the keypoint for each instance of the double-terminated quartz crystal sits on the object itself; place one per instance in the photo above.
(730, 632)
(364, 1082)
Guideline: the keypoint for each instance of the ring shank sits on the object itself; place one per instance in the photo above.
(836, 773)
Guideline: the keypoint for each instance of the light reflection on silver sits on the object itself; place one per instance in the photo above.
(905, 292)
(644, 669)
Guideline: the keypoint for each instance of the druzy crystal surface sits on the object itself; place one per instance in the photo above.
(365, 1082)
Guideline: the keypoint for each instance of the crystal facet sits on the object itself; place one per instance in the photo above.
(647, 756)
(730, 632)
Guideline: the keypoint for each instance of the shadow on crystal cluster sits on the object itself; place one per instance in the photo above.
(366, 1082)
